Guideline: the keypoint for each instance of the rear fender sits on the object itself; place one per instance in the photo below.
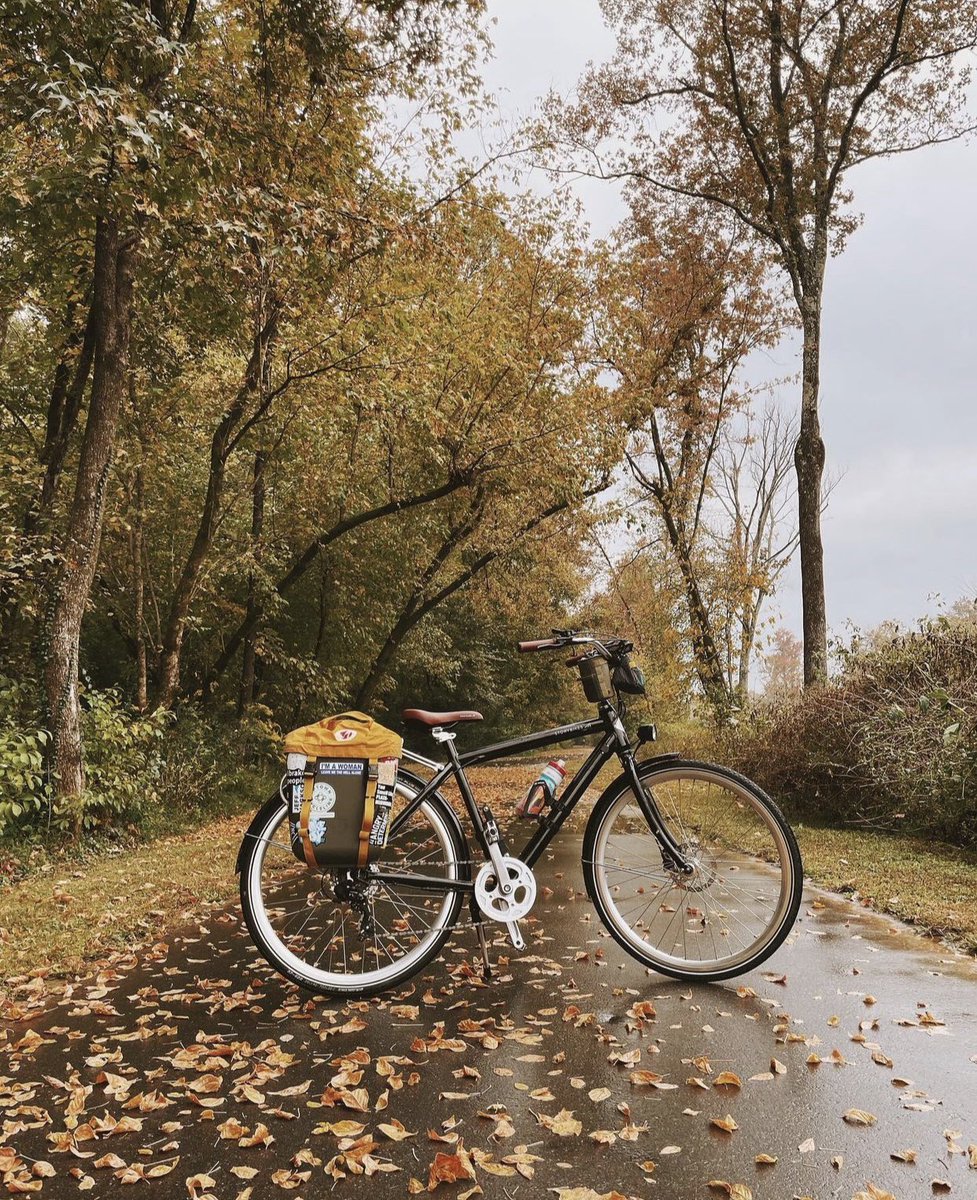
(258, 822)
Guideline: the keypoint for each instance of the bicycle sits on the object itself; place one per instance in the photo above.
(692, 868)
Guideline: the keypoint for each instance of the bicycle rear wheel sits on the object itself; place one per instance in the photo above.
(743, 895)
(346, 932)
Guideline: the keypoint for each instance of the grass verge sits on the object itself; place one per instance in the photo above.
(929, 884)
(63, 921)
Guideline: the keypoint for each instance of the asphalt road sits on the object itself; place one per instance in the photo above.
(167, 1072)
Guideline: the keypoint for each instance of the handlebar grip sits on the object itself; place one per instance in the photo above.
(539, 644)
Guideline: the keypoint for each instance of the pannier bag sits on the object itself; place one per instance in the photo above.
(342, 774)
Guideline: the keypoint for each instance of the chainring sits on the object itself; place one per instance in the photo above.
(494, 903)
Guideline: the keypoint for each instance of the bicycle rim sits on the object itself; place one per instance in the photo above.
(738, 903)
(309, 925)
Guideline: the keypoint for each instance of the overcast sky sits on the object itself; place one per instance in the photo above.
(899, 350)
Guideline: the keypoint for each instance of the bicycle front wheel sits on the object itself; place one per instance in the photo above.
(744, 892)
(348, 932)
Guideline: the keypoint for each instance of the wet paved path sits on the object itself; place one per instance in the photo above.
(575, 1068)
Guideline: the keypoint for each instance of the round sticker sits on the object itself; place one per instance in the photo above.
(321, 809)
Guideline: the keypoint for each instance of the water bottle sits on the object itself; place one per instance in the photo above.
(543, 791)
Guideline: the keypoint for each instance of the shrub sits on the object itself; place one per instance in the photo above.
(145, 774)
(891, 743)
(24, 792)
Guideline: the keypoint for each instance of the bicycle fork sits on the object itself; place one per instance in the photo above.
(673, 857)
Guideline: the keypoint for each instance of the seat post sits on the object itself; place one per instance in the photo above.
(447, 736)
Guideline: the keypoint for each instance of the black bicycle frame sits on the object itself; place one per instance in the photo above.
(614, 741)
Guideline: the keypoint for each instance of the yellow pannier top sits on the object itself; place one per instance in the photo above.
(347, 735)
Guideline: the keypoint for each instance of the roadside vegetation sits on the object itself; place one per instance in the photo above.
(890, 745)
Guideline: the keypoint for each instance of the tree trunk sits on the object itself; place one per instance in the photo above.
(384, 657)
(75, 572)
(257, 528)
(749, 619)
(225, 438)
(708, 663)
(136, 536)
(809, 458)
(64, 403)
(63, 409)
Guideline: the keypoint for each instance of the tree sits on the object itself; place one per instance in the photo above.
(120, 141)
(684, 302)
(754, 541)
(94, 93)
(782, 665)
(761, 108)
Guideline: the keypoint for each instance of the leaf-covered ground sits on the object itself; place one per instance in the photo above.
(189, 1069)
(118, 900)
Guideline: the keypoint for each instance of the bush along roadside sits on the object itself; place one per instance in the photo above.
(148, 775)
(891, 744)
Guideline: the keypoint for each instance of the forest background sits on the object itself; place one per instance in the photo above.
(302, 409)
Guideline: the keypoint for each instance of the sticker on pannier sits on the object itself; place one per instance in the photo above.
(340, 785)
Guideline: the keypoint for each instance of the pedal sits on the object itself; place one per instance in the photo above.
(515, 936)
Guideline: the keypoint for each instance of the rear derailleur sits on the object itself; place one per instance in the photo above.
(357, 890)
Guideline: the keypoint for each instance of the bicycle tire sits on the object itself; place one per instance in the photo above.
(600, 891)
(261, 834)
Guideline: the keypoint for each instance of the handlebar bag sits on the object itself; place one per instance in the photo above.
(629, 678)
(339, 787)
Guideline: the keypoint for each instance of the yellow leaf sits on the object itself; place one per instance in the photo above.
(726, 1124)
(564, 1124)
(858, 1116)
(395, 1131)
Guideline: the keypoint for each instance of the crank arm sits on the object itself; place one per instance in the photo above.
(515, 936)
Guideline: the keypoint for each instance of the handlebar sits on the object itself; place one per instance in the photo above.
(567, 637)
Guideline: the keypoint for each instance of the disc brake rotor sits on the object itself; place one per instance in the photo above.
(496, 904)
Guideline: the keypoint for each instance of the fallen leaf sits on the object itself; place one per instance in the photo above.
(726, 1124)
(564, 1124)
(858, 1116)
